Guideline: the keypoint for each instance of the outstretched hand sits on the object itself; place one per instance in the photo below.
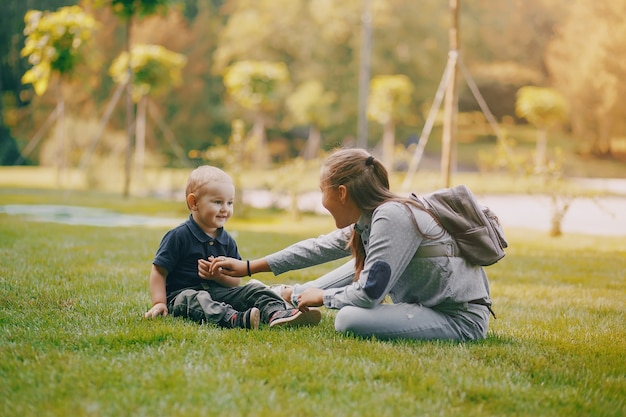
(216, 267)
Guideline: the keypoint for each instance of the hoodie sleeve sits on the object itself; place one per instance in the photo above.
(309, 252)
(390, 245)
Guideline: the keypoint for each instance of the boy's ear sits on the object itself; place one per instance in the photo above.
(191, 201)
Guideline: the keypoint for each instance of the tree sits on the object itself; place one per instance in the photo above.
(53, 45)
(389, 102)
(154, 69)
(257, 86)
(543, 108)
(195, 109)
(311, 105)
(12, 38)
(589, 70)
(317, 40)
(127, 10)
(320, 40)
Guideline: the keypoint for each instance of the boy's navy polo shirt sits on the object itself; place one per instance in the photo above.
(180, 250)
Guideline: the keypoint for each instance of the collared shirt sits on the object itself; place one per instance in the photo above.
(390, 239)
(180, 250)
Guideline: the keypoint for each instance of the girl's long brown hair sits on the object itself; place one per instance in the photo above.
(367, 183)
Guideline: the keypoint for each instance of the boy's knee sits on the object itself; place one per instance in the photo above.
(180, 305)
(256, 284)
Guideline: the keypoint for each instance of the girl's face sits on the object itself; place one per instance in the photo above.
(339, 204)
(212, 206)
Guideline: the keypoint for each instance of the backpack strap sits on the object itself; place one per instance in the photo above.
(483, 303)
(449, 249)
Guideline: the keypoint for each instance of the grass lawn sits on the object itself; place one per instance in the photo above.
(73, 341)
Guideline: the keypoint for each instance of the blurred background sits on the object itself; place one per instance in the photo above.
(531, 87)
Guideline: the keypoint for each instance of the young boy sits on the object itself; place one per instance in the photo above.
(177, 288)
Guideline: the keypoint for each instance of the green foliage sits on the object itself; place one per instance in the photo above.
(542, 107)
(53, 43)
(389, 99)
(73, 341)
(127, 9)
(503, 45)
(154, 68)
(9, 152)
(587, 66)
(498, 82)
(256, 84)
(311, 104)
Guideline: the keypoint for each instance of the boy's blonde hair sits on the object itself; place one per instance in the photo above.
(203, 176)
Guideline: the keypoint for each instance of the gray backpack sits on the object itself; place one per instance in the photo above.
(475, 228)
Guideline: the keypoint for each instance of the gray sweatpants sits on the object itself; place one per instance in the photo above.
(217, 304)
(462, 322)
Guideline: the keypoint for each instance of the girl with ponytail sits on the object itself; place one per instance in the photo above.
(404, 280)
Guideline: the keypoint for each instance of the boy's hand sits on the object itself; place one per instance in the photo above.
(207, 270)
(159, 309)
(220, 267)
(204, 269)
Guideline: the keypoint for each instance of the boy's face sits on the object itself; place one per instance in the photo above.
(212, 206)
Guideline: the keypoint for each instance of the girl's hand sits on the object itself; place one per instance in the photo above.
(222, 265)
(311, 297)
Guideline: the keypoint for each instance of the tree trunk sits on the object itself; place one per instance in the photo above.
(294, 210)
(60, 135)
(140, 133)
(313, 143)
(364, 74)
(84, 160)
(129, 115)
(541, 148)
(604, 135)
(388, 144)
(560, 205)
(448, 144)
(260, 156)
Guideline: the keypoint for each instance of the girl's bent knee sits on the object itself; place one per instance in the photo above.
(344, 321)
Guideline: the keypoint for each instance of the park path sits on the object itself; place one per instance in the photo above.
(601, 216)
(605, 216)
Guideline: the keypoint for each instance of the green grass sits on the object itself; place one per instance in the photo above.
(73, 343)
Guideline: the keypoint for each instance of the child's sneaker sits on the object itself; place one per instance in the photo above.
(248, 319)
(295, 317)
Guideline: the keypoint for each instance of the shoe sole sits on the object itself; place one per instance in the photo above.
(254, 319)
(302, 318)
